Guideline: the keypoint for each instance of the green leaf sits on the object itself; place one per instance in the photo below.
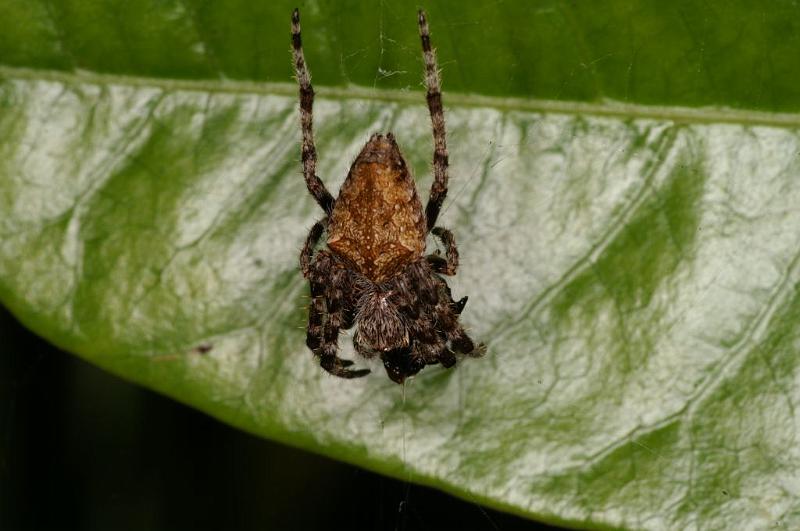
(632, 260)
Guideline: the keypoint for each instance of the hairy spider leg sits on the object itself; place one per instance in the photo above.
(326, 312)
(418, 306)
(449, 264)
(309, 151)
(434, 97)
(316, 309)
(446, 314)
(316, 313)
(447, 320)
(307, 254)
(327, 277)
(334, 299)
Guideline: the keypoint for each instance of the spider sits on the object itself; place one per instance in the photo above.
(374, 273)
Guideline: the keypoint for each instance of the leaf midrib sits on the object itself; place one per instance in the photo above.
(608, 108)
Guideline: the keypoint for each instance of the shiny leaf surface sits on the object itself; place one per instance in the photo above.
(634, 270)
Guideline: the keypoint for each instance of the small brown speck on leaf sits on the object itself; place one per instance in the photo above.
(205, 348)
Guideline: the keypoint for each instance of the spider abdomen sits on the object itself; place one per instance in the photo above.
(377, 222)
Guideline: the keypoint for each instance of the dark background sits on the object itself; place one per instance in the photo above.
(83, 449)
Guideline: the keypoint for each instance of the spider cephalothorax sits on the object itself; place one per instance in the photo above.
(374, 274)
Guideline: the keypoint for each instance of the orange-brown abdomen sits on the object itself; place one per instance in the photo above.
(377, 222)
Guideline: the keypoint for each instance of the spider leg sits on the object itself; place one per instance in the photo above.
(460, 342)
(306, 261)
(448, 265)
(309, 151)
(443, 319)
(307, 254)
(317, 308)
(316, 312)
(327, 315)
(432, 352)
(419, 306)
(428, 342)
(447, 358)
(334, 298)
(456, 306)
(446, 315)
(434, 97)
